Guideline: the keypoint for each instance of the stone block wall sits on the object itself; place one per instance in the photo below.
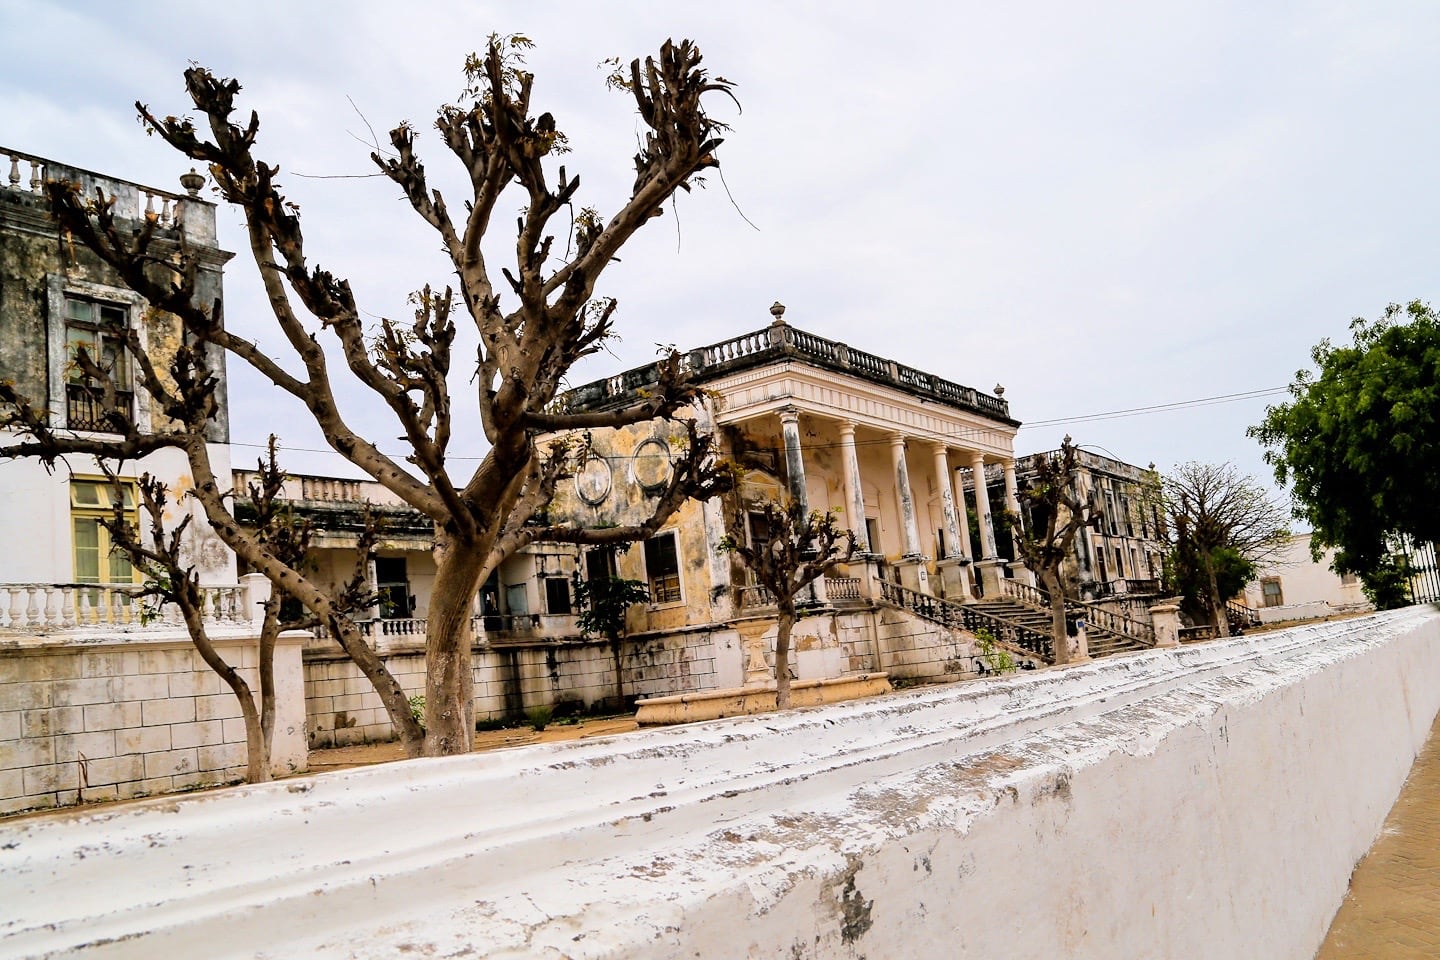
(916, 649)
(343, 708)
(87, 719)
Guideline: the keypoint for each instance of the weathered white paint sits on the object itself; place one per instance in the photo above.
(88, 716)
(1205, 801)
(41, 533)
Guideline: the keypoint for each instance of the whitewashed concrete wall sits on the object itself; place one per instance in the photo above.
(1201, 802)
(342, 707)
(94, 718)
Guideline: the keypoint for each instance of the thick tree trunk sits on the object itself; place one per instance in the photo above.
(782, 656)
(449, 637)
(1217, 602)
(619, 673)
(1050, 576)
(269, 632)
(257, 757)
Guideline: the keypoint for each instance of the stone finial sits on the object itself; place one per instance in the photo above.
(777, 310)
(999, 390)
(192, 182)
(1066, 441)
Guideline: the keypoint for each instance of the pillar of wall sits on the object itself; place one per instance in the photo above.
(912, 562)
(990, 566)
(953, 567)
(1018, 568)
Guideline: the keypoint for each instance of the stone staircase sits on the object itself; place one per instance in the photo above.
(1102, 642)
(1106, 632)
(1022, 617)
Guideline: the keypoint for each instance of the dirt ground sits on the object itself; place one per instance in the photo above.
(361, 755)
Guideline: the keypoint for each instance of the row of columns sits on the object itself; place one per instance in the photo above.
(955, 565)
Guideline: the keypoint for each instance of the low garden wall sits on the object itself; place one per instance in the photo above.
(1202, 801)
(105, 717)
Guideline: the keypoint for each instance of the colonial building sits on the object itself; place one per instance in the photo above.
(1123, 552)
(55, 299)
(886, 446)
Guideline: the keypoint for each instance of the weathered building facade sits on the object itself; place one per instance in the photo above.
(57, 299)
(1124, 551)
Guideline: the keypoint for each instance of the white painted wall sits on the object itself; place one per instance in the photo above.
(35, 513)
(1309, 589)
(1202, 802)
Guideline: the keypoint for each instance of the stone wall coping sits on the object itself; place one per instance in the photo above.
(590, 848)
(704, 695)
(146, 639)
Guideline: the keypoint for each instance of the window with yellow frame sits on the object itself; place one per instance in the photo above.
(96, 559)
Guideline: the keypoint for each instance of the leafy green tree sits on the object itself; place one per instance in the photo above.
(601, 604)
(1358, 442)
(1387, 584)
(1186, 578)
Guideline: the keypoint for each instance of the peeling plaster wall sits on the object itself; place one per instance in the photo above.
(343, 708)
(1200, 802)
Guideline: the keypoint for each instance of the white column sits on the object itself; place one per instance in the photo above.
(967, 549)
(1012, 493)
(907, 499)
(982, 507)
(794, 462)
(854, 492)
(947, 503)
(1018, 569)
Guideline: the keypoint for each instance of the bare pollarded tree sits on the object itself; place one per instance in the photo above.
(800, 547)
(533, 326)
(1214, 508)
(1058, 511)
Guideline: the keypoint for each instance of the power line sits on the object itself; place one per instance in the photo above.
(958, 434)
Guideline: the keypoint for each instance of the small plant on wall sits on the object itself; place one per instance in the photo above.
(803, 547)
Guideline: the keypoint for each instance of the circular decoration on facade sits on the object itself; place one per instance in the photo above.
(593, 482)
(651, 465)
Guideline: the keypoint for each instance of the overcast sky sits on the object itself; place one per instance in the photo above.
(1101, 206)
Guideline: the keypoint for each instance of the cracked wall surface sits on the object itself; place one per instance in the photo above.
(1204, 801)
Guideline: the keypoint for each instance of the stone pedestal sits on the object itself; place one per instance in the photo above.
(990, 572)
(955, 579)
(1165, 618)
(914, 574)
(1022, 573)
(753, 647)
(1080, 644)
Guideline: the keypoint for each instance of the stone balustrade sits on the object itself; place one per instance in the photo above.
(775, 343)
(27, 173)
(62, 606)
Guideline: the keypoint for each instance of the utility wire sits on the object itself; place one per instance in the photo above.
(959, 434)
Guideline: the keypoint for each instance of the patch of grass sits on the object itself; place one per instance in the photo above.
(539, 717)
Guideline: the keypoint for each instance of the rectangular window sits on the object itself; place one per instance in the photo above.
(96, 560)
(600, 563)
(95, 334)
(662, 567)
(557, 595)
(393, 586)
(517, 602)
(1270, 595)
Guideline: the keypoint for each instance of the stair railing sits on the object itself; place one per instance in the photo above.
(948, 613)
(1097, 615)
